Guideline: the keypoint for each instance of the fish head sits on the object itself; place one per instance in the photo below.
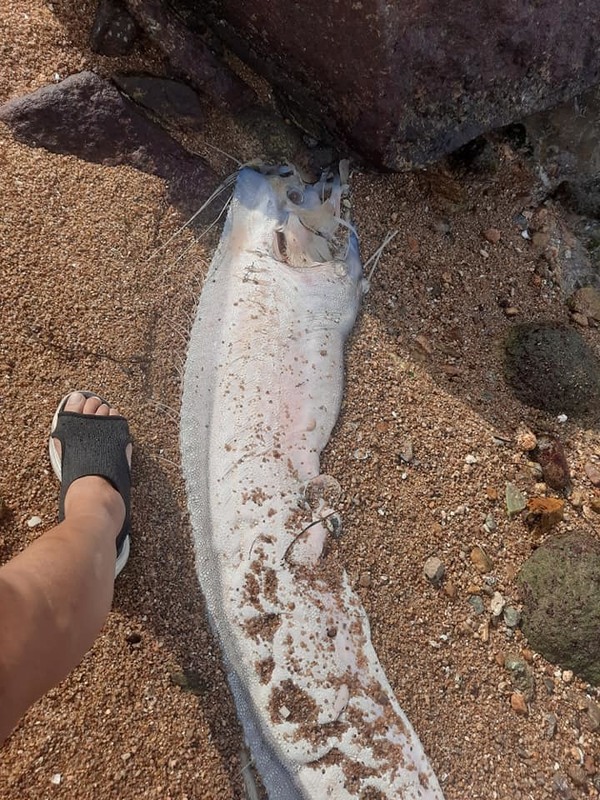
(297, 223)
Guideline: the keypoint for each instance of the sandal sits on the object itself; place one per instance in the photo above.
(93, 445)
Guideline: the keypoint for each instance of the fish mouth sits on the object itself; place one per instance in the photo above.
(309, 223)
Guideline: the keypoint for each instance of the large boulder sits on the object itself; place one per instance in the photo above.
(406, 81)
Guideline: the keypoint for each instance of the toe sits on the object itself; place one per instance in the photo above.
(103, 410)
(75, 402)
(92, 404)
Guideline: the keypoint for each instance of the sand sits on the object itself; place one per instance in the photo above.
(88, 302)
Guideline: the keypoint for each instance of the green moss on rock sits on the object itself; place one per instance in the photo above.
(560, 589)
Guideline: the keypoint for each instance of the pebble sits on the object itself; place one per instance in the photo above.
(365, 580)
(512, 616)
(561, 787)
(593, 473)
(407, 453)
(543, 513)
(551, 455)
(33, 522)
(56, 779)
(451, 590)
(492, 235)
(518, 703)
(526, 440)
(497, 604)
(593, 715)
(511, 311)
(434, 571)
(490, 523)
(476, 604)
(580, 319)
(567, 676)
(577, 774)
(470, 459)
(515, 500)
(551, 723)
(480, 560)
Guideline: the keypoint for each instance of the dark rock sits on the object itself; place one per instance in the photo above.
(550, 366)
(188, 53)
(87, 116)
(171, 100)
(560, 588)
(550, 455)
(114, 30)
(402, 82)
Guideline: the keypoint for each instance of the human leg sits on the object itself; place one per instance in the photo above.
(56, 594)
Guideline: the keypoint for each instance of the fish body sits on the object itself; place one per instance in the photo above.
(262, 391)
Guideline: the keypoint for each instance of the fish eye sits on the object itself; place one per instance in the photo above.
(295, 196)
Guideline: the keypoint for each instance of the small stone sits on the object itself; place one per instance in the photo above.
(593, 715)
(284, 712)
(133, 638)
(586, 301)
(512, 617)
(550, 454)
(33, 522)
(567, 676)
(407, 453)
(551, 723)
(580, 319)
(56, 779)
(548, 685)
(125, 757)
(528, 655)
(491, 493)
(476, 604)
(365, 580)
(451, 590)
(577, 774)
(589, 765)
(561, 787)
(490, 523)
(497, 604)
(577, 500)
(594, 503)
(492, 235)
(526, 440)
(434, 571)
(480, 560)
(515, 500)
(521, 675)
(543, 513)
(360, 454)
(593, 473)
(511, 311)
(470, 459)
(518, 703)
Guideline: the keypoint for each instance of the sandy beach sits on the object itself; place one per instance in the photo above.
(89, 301)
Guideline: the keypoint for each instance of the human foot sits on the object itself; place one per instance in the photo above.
(90, 452)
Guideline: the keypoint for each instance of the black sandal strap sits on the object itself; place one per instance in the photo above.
(95, 445)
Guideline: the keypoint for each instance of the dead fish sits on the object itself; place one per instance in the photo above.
(262, 391)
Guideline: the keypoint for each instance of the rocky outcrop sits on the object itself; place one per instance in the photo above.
(401, 82)
(88, 117)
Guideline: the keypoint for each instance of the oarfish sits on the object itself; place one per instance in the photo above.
(262, 391)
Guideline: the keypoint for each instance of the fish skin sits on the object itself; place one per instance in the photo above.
(262, 391)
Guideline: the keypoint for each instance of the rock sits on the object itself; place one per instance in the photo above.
(407, 454)
(593, 715)
(519, 704)
(425, 80)
(567, 676)
(490, 524)
(450, 590)
(561, 613)
(526, 440)
(190, 681)
(551, 723)
(476, 604)
(561, 787)
(551, 367)
(512, 617)
(86, 116)
(497, 604)
(189, 55)
(365, 580)
(33, 522)
(515, 500)
(434, 571)
(521, 676)
(543, 513)
(550, 455)
(577, 774)
(480, 560)
(593, 473)
(114, 30)
(171, 100)
(580, 319)
(586, 301)
(492, 235)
